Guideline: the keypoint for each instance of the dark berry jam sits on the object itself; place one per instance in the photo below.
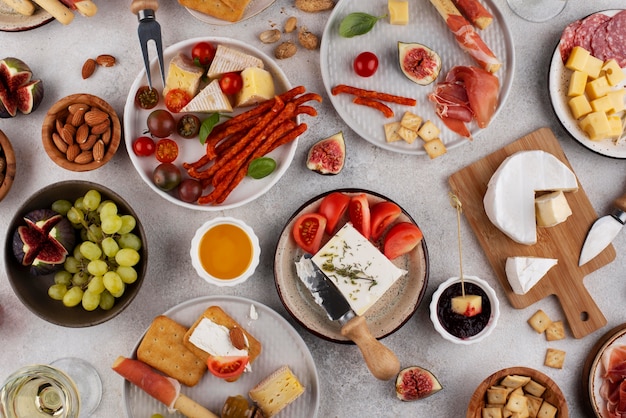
(459, 325)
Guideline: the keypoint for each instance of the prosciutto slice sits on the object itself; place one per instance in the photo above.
(613, 389)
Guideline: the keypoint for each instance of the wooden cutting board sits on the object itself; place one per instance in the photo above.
(563, 241)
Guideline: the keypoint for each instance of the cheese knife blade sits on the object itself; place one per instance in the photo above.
(603, 231)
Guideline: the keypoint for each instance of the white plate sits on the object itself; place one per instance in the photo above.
(191, 150)
(281, 345)
(426, 27)
(11, 21)
(254, 8)
(558, 83)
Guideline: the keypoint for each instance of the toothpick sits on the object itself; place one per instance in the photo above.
(456, 203)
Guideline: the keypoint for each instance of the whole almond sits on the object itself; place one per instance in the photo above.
(100, 128)
(89, 143)
(105, 60)
(82, 132)
(72, 152)
(106, 136)
(78, 117)
(98, 150)
(95, 117)
(238, 338)
(67, 133)
(88, 68)
(58, 126)
(59, 142)
(85, 157)
(75, 107)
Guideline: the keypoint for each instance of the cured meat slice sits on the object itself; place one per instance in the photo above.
(599, 47)
(613, 389)
(567, 39)
(587, 29)
(616, 38)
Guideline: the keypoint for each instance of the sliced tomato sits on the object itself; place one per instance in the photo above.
(166, 150)
(359, 214)
(176, 99)
(382, 215)
(333, 206)
(226, 367)
(308, 231)
(401, 238)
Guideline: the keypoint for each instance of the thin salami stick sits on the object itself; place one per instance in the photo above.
(225, 145)
(305, 110)
(214, 138)
(374, 104)
(371, 94)
(307, 97)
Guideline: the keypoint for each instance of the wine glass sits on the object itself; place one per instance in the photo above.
(537, 10)
(66, 388)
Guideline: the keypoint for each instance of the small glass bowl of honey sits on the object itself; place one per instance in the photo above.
(225, 251)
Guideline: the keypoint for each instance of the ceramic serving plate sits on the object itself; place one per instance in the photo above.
(254, 8)
(281, 345)
(395, 307)
(191, 150)
(425, 27)
(11, 21)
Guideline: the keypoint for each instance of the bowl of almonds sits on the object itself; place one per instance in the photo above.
(81, 132)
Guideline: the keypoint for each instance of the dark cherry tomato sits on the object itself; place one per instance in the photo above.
(359, 214)
(226, 367)
(188, 126)
(166, 150)
(308, 230)
(333, 207)
(176, 99)
(231, 83)
(382, 215)
(166, 176)
(366, 64)
(161, 123)
(203, 53)
(146, 98)
(144, 146)
(401, 238)
(189, 190)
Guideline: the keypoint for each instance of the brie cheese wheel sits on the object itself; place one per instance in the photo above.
(552, 209)
(510, 198)
(210, 99)
(183, 74)
(525, 272)
(358, 269)
(228, 60)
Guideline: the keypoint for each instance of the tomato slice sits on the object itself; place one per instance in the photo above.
(359, 214)
(401, 238)
(226, 367)
(382, 215)
(146, 98)
(308, 231)
(333, 206)
(166, 150)
(176, 99)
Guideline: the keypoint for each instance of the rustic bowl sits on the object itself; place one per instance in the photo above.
(6, 149)
(60, 111)
(552, 394)
(33, 290)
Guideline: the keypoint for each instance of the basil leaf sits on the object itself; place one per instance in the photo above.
(357, 23)
(261, 167)
(207, 126)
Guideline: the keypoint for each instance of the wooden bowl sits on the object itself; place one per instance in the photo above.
(552, 394)
(6, 149)
(59, 116)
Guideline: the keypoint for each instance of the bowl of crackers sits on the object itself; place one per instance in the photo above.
(517, 391)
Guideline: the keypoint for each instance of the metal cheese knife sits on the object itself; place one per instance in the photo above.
(603, 231)
(380, 360)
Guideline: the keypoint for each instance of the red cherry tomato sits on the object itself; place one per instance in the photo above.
(333, 207)
(202, 53)
(176, 99)
(146, 98)
(231, 83)
(161, 123)
(166, 150)
(401, 238)
(366, 64)
(308, 231)
(382, 215)
(143, 146)
(227, 366)
(359, 214)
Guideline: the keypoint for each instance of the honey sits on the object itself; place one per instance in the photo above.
(225, 251)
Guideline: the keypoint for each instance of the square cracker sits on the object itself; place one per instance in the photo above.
(555, 331)
(162, 348)
(554, 358)
(539, 321)
(229, 10)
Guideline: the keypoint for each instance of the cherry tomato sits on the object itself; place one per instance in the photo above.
(333, 207)
(144, 146)
(166, 150)
(189, 190)
(146, 98)
(359, 214)
(308, 231)
(231, 83)
(161, 123)
(166, 176)
(176, 99)
(188, 126)
(382, 215)
(366, 64)
(226, 367)
(203, 53)
(401, 238)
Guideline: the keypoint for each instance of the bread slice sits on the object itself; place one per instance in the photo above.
(276, 391)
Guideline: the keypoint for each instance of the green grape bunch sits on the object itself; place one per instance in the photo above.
(103, 263)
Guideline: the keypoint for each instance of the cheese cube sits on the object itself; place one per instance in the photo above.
(183, 74)
(577, 59)
(617, 99)
(593, 66)
(615, 126)
(580, 106)
(276, 391)
(596, 125)
(577, 84)
(602, 104)
(597, 88)
(467, 305)
(435, 148)
(258, 86)
(552, 209)
(428, 131)
(398, 12)
(613, 72)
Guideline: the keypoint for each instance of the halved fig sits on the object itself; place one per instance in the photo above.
(8, 104)
(419, 63)
(29, 96)
(14, 73)
(328, 155)
(415, 383)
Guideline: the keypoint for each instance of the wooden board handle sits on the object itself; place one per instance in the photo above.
(582, 313)
(138, 5)
(620, 203)
(380, 360)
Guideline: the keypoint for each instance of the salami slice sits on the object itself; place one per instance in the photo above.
(567, 39)
(599, 46)
(587, 29)
(616, 38)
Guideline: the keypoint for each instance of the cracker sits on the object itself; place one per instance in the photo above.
(554, 358)
(229, 10)
(411, 121)
(407, 134)
(547, 410)
(391, 131)
(555, 331)
(540, 321)
(162, 348)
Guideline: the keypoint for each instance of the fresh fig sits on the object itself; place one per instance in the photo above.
(14, 73)
(415, 383)
(18, 91)
(44, 241)
(8, 104)
(419, 63)
(328, 155)
(29, 96)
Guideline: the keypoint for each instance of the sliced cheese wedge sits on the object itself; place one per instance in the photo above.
(210, 99)
(227, 60)
(552, 209)
(510, 198)
(525, 272)
(183, 74)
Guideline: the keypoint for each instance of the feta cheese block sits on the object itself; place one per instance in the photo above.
(525, 272)
(510, 198)
(210, 99)
(358, 269)
(258, 86)
(552, 209)
(183, 74)
(229, 60)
